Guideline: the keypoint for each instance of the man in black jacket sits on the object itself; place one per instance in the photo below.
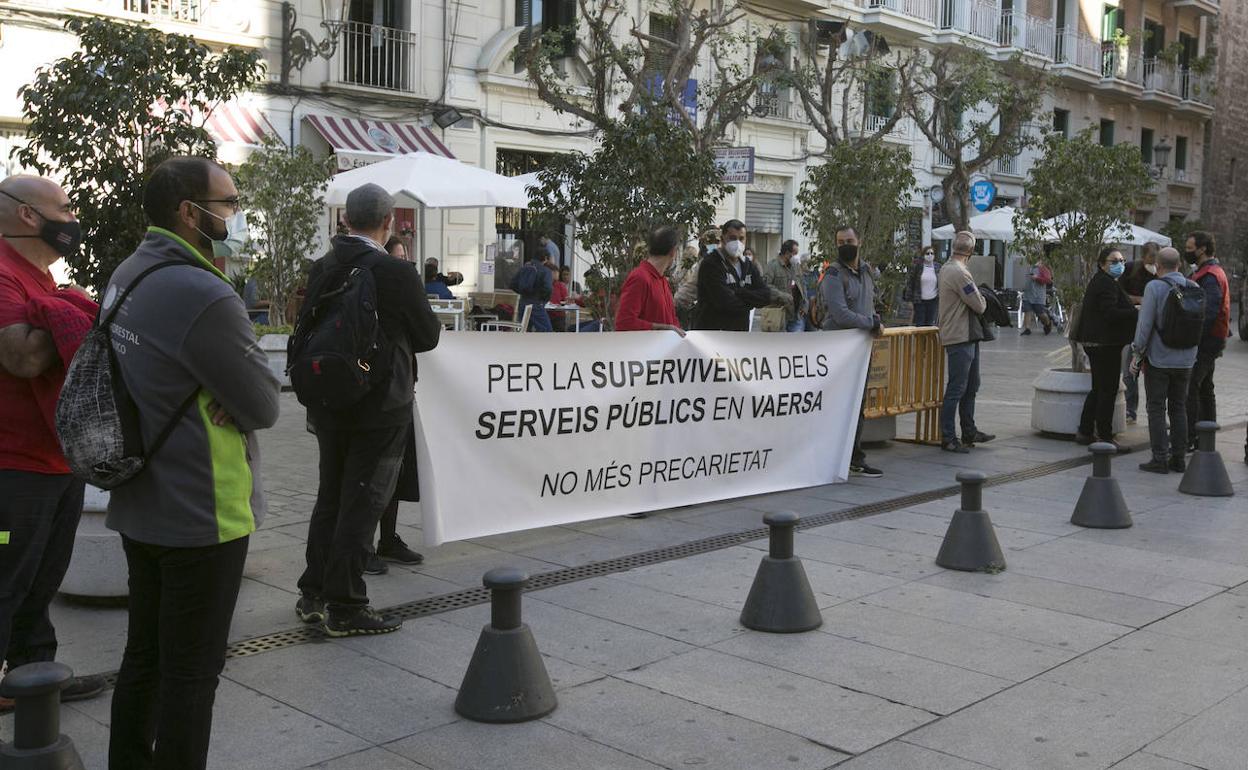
(729, 286)
(362, 447)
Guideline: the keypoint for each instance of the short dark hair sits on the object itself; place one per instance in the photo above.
(843, 228)
(1204, 240)
(395, 241)
(732, 224)
(1103, 257)
(177, 179)
(431, 273)
(662, 240)
(789, 244)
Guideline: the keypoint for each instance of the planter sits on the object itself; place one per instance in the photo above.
(274, 346)
(97, 573)
(1058, 402)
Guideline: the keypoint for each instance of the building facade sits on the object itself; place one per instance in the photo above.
(1136, 70)
(1225, 209)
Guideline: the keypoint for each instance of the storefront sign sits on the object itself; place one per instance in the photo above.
(736, 164)
(523, 431)
(982, 194)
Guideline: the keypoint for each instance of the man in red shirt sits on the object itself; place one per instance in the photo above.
(646, 299)
(40, 502)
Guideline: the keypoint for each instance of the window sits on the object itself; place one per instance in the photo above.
(1111, 22)
(881, 93)
(1107, 133)
(663, 27)
(1154, 38)
(537, 16)
(1061, 122)
(1146, 146)
(1180, 153)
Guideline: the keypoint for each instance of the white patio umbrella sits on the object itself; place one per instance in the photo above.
(995, 225)
(435, 182)
(1122, 233)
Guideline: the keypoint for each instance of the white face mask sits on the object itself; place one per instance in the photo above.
(1151, 268)
(929, 258)
(237, 234)
(734, 249)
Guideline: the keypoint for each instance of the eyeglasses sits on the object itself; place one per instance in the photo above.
(235, 203)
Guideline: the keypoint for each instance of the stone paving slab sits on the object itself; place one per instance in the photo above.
(1220, 620)
(369, 759)
(1215, 740)
(900, 754)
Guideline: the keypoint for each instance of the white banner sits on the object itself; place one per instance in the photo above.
(520, 431)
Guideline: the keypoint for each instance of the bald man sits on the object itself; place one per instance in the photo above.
(40, 502)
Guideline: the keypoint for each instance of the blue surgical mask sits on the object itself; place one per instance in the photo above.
(1116, 269)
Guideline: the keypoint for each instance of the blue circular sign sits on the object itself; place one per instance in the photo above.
(982, 194)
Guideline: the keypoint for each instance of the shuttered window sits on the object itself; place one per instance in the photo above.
(764, 212)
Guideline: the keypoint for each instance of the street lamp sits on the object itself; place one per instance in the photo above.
(1161, 155)
(299, 46)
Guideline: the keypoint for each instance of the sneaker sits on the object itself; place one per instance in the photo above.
(374, 565)
(1119, 448)
(82, 688)
(1083, 439)
(1025, 332)
(359, 621)
(1047, 329)
(866, 471)
(1155, 466)
(979, 438)
(955, 447)
(397, 550)
(1131, 419)
(636, 515)
(1178, 464)
(310, 609)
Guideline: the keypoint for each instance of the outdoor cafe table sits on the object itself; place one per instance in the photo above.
(570, 308)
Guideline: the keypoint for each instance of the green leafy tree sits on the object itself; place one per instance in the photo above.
(867, 185)
(102, 117)
(974, 110)
(1079, 196)
(284, 191)
(647, 171)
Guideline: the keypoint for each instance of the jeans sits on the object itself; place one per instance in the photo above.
(181, 603)
(39, 512)
(960, 392)
(539, 321)
(926, 311)
(1202, 404)
(1166, 389)
(1131, 384)
(359, 470)
(796, 325)
(1098, 408)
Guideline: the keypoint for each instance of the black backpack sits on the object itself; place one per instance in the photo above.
(337, 352)
(1183, 317)
(994, 309)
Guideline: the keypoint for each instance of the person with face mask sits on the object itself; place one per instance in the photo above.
(189, 358)
(784, 275)
(921, 288)
(1136, 275)
(729, 286)
(1106, 325)
(646, 297)
(40, 502)
(1202, 401)
(847, 290)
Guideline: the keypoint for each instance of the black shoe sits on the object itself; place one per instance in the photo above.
(1119, 448)
(82, 688)
(1047, 329)
(955, 447)
(1083, 439)
(397, 550)
(1155, 466)
(636, 515)
(374, 565)
(866, 471)
(1025, 332)
(979, 438)
(359, 621)
(1178, 465)
(310, 609)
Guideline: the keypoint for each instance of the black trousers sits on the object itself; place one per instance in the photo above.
(181, 603)
(38, 520)
(1098, 408)
(1202, 403)
(359, 470)
(1165, 392)
(406, 488)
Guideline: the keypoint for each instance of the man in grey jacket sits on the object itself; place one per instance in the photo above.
(848, 293)
(1168, 371)
(189, 358)
(784, 274)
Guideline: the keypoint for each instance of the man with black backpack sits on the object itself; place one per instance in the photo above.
(352, 364)
(1172, 314)
(534, 283)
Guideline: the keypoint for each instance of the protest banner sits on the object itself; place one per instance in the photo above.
(521, 431)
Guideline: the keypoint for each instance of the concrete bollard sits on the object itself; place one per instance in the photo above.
(780, 600)
(506, 680)
(1101, 504)
(37, 740)
(970, 543)
(1206, 473)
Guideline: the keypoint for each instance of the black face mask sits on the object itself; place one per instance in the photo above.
(1190, 256)
(63, 237)
(847, 253)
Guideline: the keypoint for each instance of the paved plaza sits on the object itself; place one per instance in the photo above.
(1094, 648)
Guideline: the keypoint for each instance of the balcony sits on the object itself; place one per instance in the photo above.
(1077, 56)
(899, 18)
(1009, 166)
(1025, 33)
(165, 10)
(977, 19)
(373, 56)
(1122, 71)
(773, 104)
(1206, 7)
(1163, 82)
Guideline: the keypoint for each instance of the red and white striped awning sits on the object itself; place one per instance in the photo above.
(234, 123)
(377, 137)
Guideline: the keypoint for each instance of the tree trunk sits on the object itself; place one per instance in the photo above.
(1076, 352)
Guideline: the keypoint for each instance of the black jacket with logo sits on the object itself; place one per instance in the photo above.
(724, 299)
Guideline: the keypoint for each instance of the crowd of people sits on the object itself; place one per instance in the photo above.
(187, 355)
